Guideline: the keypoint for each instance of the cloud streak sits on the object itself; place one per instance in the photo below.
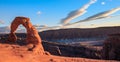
(38, 13)
(5, 29)
(39, 26)
(101, 15)
(1, 22)
(74, 14)
(103, 3)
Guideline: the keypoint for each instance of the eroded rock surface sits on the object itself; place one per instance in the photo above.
(32, 34)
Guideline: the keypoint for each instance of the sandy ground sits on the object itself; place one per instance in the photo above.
(16, 53)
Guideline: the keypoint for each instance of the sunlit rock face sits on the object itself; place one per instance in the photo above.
(32, 34)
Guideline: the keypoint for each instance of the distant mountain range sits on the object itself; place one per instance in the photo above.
(76, 33)
(101, 32)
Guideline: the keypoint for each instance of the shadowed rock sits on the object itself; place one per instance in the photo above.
(111, 48)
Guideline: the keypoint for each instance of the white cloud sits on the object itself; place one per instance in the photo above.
(39, 12)
(1, 22)
(104, 14)
(5, 29)
(102, 3)
(77, 13)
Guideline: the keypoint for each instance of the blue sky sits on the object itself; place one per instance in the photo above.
(50, 12)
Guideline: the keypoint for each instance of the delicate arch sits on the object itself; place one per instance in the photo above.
(32, 34)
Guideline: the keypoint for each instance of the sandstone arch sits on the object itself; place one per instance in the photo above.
(32, 34)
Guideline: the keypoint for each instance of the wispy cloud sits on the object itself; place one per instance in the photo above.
(105, 14)
(39, 26)
(1, 22)
(5, 29)
(101, 15)
(76, 13)
(39, 12)
(103, 3)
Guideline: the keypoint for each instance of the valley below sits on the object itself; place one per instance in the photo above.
(65, 45)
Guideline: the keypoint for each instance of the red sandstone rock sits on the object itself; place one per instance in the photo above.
(16, 53)
(32, 34)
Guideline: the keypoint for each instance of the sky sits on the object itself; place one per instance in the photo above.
(51, 12)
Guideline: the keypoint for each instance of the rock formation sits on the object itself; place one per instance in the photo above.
(32, 34)
(111, 47)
